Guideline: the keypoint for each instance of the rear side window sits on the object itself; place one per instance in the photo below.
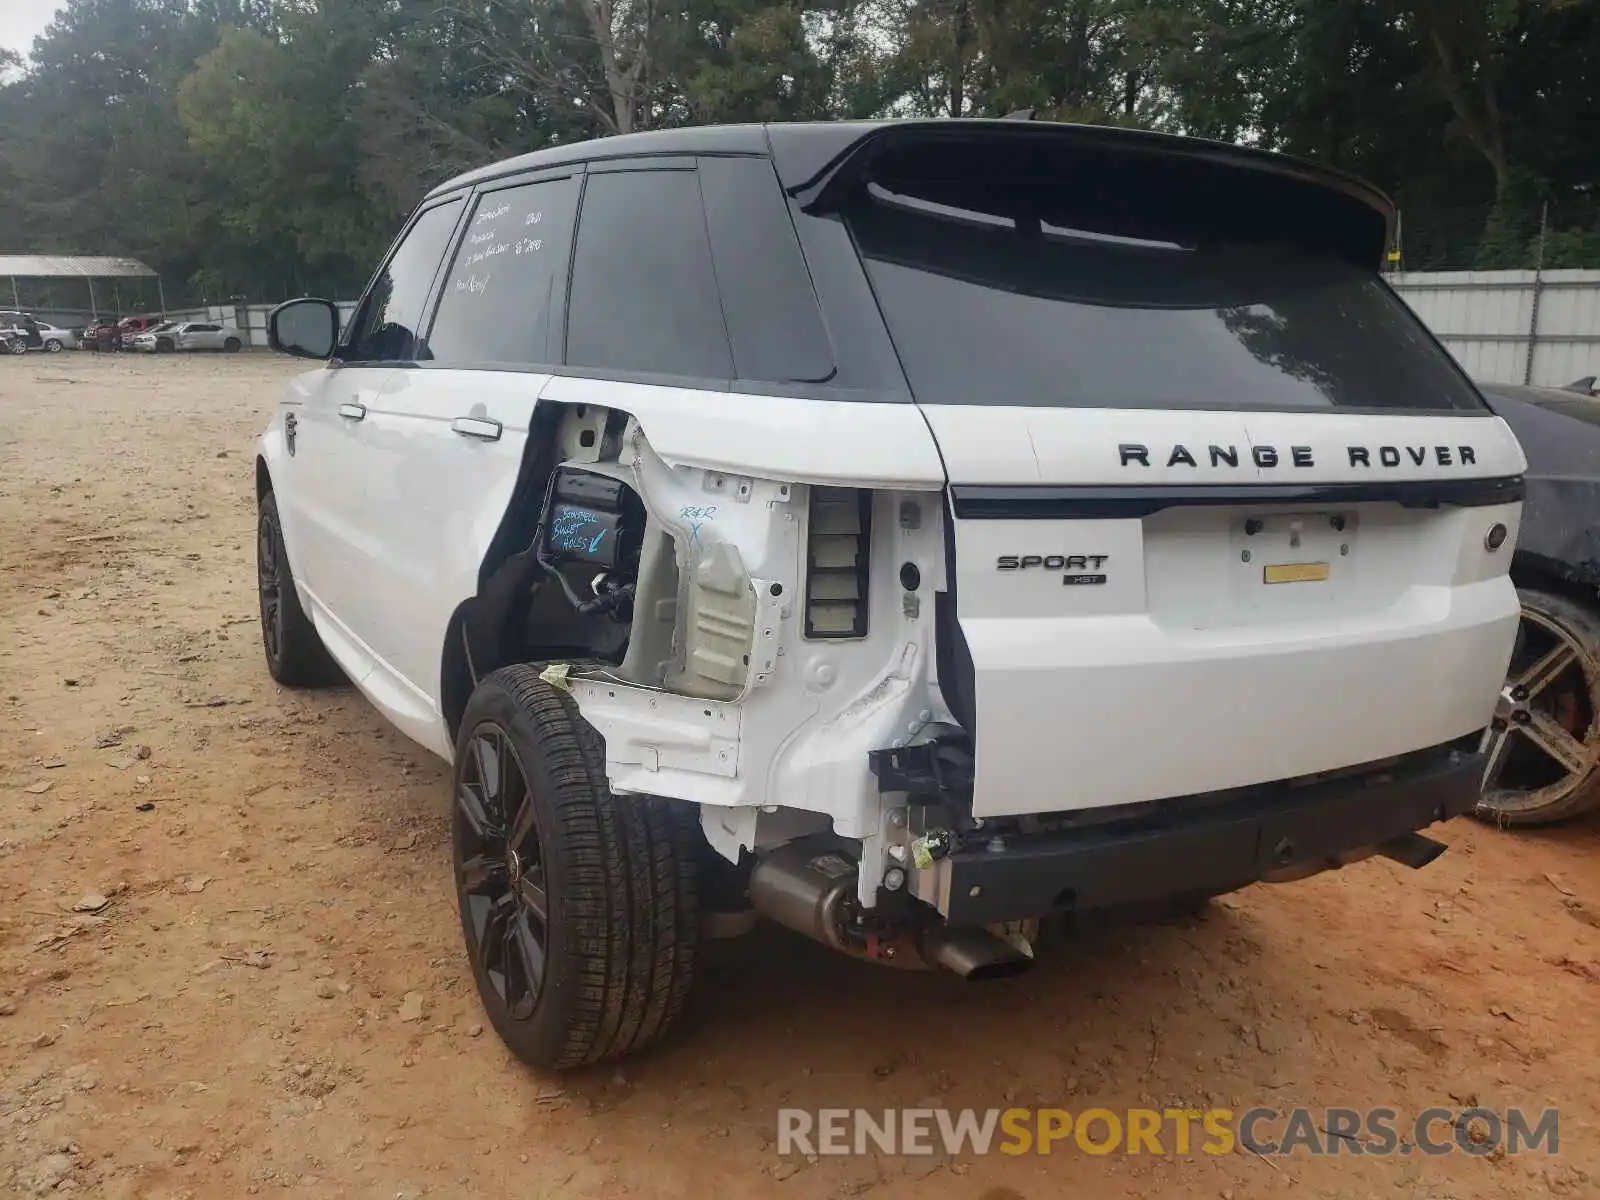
(505, 283)
(644, 293)
(996, 303)
(386, 328)
(767, 298)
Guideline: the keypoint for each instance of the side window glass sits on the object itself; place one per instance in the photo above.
(773, 319)
(386, 329)
(507, 277)
(644, 295)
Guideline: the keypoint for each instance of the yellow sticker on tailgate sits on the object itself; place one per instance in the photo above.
(1313, 572)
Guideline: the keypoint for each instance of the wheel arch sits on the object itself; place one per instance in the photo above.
(456, 677)
(482, 633)
(1548, 575)
(263, 479)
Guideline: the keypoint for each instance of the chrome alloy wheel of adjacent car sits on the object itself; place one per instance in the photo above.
(1543, 745)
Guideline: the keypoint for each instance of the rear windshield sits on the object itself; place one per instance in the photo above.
(1001, 307)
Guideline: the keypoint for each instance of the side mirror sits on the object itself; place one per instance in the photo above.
(304, 328)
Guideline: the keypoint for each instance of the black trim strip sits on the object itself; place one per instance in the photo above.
(1031, 502)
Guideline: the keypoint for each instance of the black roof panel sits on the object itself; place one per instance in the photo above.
(697, 139)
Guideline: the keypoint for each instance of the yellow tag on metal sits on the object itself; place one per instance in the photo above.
(1294, 573)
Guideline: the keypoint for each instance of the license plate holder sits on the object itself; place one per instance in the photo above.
(1279, 550)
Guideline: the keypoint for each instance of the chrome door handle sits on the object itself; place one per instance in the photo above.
(353, 410)
(477, 427)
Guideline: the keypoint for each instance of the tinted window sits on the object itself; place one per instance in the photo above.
(507, 277)
(386, 329)
(644, 296)
(767, 298)
(999, 307)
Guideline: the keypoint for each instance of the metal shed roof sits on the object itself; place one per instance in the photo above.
(53, 266)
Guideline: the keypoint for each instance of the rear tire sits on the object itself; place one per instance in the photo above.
(1525, 783)
(579, 908)
(53, 346)
(294, 651)
(231, 346)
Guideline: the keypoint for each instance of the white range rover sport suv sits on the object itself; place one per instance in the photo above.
(908, 532)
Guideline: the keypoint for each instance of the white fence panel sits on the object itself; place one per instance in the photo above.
(1512, 326)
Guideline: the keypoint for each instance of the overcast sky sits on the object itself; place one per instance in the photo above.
(23, 20)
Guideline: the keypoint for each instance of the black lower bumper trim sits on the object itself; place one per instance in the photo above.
(1212, 850)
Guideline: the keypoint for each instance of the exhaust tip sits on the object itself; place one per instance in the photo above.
(977, 955)
(1005, 969)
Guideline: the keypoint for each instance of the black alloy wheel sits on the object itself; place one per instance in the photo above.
(500, 873)
(579, 908)
(293, 649)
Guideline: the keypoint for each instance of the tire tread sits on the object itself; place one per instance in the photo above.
(629, 903)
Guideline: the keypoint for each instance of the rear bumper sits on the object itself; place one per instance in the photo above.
(1169, 848)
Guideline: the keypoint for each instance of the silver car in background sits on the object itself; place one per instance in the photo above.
(186, 335)
(27, 332)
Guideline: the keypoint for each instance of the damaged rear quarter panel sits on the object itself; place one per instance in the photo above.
(718, 466)
(773, 437)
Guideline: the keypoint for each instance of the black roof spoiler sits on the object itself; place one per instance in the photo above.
(1252, 192)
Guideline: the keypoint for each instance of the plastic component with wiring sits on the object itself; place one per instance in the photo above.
(585, 519)
(595, 521)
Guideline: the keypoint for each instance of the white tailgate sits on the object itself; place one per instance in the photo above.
(1238, 631)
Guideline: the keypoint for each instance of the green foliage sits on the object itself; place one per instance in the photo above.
(1568, 248)
(271, 147)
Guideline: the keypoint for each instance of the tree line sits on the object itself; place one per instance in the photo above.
(267, 148)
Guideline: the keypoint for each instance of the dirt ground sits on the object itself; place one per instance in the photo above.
(272, 883)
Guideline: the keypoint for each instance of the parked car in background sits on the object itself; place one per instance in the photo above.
(54, 339)
(13, 332)
(1543, 747)
(131, 326)
(150, 340)
(187, 335)
(101, 335)
(34, 334)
